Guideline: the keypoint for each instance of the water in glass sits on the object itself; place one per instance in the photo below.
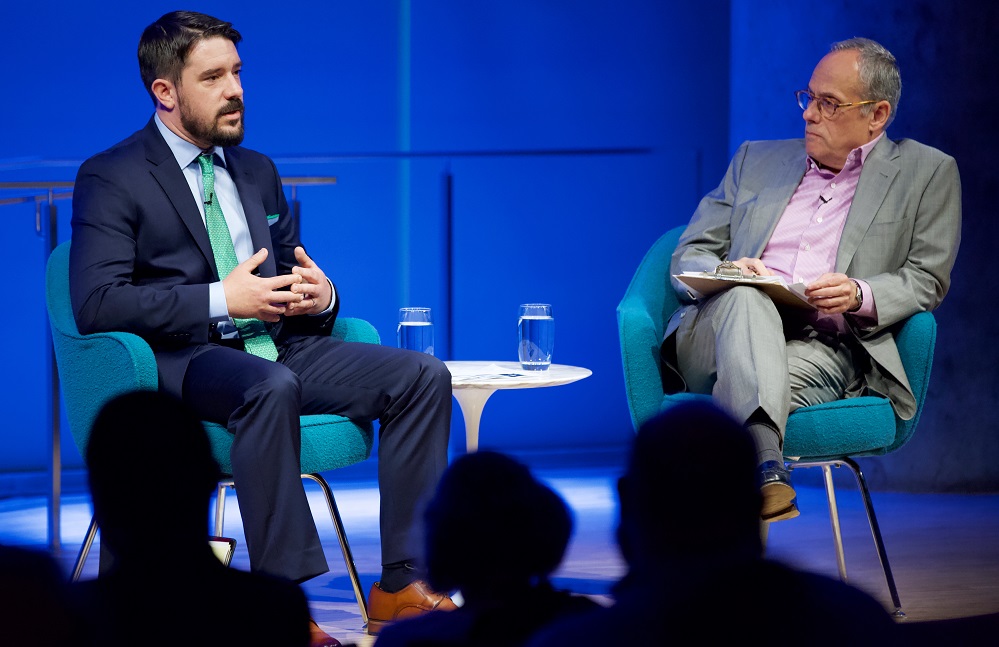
(536, 336)
(416, 330)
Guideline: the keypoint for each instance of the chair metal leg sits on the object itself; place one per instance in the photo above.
(872, 520)
(833, 508)
(220, 506)
(341, 534)
(834, 519)
(348, 558)
(88, 541)
(876, 532)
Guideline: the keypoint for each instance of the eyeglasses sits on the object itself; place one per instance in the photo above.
(826, 107)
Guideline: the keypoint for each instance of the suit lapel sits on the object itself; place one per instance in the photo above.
(876, 177)
(171, 179)
(253, 208)
(771, 204)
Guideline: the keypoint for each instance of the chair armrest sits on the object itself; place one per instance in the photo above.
(123, 361)
(640, 359)
(641, 318)
(916, 341)
(353, 329)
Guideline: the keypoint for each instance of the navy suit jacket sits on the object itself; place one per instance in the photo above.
(140, 258)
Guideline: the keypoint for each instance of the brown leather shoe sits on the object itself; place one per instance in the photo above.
(319, 638)
(414, 600)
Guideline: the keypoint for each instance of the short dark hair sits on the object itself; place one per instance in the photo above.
(165, 44)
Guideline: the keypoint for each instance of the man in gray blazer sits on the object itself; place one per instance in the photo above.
(869, 225)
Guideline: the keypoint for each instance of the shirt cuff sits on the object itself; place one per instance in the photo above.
(218, 309)
(867, 314)
(332, 301)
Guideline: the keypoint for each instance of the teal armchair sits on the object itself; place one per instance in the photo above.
(827, 435)
(95, 368)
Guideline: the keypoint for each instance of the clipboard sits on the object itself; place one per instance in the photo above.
(782, 294)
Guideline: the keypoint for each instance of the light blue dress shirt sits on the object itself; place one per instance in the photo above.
(186, 155)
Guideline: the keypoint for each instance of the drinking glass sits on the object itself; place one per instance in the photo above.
(416, 330)
(536, 336)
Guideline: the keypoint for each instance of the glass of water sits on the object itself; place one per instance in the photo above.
(416, 330)
(536, 336)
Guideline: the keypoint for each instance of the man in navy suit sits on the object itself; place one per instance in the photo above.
(142, 261)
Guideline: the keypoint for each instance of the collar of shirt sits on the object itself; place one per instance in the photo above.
(184, 151)
(856, 157)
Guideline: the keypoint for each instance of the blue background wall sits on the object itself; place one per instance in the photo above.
(571, 134)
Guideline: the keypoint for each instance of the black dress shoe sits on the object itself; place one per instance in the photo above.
(779, 499)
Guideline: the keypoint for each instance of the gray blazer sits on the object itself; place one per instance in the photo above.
(901, 236)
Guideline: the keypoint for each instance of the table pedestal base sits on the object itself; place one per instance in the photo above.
(471, 402)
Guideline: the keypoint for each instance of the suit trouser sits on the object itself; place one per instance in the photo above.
(260, 402)
(736, 347)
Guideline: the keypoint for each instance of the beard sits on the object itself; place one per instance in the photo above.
(210, 130)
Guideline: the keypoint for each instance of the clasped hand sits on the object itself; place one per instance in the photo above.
(832, 293)
(266, 298)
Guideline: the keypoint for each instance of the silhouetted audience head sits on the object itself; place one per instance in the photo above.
(151, 473)
(690, 487)
(690, 532)
(496, 533)
(491, 526)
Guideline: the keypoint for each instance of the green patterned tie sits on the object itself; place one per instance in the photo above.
(254, 334)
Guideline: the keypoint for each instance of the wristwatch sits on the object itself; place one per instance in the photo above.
(860, 296)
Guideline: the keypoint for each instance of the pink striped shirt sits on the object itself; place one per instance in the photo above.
(804, 243)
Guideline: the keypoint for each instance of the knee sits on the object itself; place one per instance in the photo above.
(435, 374)
(745, 300)
(427, 375)
(442, 376)
(279, 384)
(743, 294)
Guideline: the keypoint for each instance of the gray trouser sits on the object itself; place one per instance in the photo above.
(735, 347)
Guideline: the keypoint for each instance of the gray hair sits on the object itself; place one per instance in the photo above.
(879, 75)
